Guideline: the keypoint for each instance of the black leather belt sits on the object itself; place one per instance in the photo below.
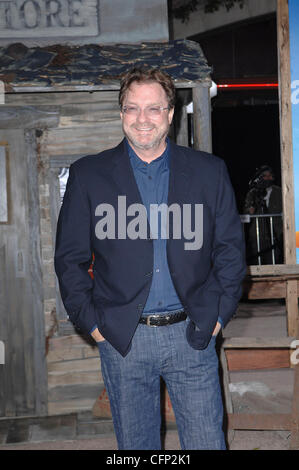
(162, 320)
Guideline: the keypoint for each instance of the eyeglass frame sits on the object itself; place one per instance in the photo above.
(123, 108)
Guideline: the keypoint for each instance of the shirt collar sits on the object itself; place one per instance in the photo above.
(137, 163)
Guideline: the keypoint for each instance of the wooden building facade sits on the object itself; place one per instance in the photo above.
(61, 103)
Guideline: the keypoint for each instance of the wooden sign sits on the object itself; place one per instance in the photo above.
(48, 18)
(83, 21)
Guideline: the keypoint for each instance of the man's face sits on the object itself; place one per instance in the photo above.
(267, 176)
(143, 130)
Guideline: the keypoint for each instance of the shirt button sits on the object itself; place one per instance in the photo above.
(157, 270)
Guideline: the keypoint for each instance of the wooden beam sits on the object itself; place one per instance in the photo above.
(245, 342)
(258, 421)
(111, 86)
(273, 270)
(256, 359)
(181, 121)
(286, 145)
(264, 290)
(28, 117)
(292, 307)
(202, 128)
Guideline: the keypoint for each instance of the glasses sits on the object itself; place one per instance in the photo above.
(150, 111)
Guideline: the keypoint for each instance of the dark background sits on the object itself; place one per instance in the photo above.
(245, 123)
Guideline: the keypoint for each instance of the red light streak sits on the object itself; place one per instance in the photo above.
(248, 85)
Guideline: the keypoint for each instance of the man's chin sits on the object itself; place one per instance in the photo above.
(144, 145)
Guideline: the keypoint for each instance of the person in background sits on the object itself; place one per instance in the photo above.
(264, 197)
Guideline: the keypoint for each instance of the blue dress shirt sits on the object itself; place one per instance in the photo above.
(152, 180)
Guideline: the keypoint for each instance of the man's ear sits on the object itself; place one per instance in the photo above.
(170, 115)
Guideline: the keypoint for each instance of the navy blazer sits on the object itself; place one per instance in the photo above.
(208, 280)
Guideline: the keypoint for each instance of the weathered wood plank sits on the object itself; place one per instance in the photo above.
(259, 421)
(286, 147)
(183, 84)
(264, 290)
(286, 151)
(202, 130)
(292, 289)
(61, 99)
(21, 373)
(181, 117)
(87, 364)
(70, 406)
(75, 392)
(274, 270)
(244, 342)
(4, 213)
(83, 140)
(5, 396)
(90, 115)
(73, 377)
(28, 117)
(67, 342)
(39, 379)
(72, 354)
(254, 359)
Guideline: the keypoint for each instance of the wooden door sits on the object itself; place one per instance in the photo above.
(23, 377)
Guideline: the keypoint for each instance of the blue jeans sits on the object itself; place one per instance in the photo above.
(191, 377)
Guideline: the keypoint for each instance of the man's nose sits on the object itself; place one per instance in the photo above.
(142, 115)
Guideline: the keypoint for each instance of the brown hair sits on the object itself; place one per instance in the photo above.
(144, 74)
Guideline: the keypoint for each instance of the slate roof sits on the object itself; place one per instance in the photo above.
(97, 66)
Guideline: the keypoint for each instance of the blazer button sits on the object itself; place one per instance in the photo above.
(149, 274)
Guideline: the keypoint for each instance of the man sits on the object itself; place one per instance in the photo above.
(157, 300)
(264, 197)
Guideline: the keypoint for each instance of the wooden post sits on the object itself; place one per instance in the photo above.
(202, 129)
(182, 127)
(284, 76)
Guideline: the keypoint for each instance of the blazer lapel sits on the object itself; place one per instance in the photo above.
(123, 176)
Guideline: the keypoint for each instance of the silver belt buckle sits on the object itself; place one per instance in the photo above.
(148, 320)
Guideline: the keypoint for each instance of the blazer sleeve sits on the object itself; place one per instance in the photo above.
(73, 254)
(229, 261)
